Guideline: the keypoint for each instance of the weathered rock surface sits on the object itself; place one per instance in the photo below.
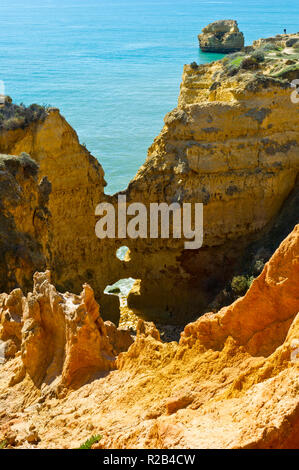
(120, 338)
(232, 143)
(24, 221)
(64, 339)
(231, 382)
(221, 36)
(11, 307)
(77, 187)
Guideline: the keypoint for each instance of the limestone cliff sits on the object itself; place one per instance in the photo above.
(231, 381)
(24, 221)
(232, 143)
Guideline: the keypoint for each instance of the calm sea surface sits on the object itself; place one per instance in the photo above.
(114, 67)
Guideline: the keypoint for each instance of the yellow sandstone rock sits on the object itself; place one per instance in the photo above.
(221, 36)
(231, 382)
(232, 144)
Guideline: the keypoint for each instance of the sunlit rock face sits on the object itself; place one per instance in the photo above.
(24, 221)
(77, 181)
(221, 36)
(62, 337)
(231, 143)
(230, 382)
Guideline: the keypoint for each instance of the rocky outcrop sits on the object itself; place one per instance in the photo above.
(24, 221)
(221, 36)
(62, 338)
(119, 338)
(232, 141)
(10, 324)
(231, 381)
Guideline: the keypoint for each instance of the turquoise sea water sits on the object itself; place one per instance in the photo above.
(114, 67)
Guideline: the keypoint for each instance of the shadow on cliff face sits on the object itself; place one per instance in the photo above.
(24, 219)
(257, 253)
(176, 285)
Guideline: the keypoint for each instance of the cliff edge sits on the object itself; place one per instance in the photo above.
(25, 221)
(230, 382)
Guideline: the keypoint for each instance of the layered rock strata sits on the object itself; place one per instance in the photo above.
(221, 36)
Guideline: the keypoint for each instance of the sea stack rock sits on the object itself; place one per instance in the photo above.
(221, 36)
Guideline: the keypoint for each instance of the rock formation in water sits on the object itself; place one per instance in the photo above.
(231, 382)
(221, 36)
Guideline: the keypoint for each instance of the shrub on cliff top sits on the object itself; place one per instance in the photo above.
(258, 55)
(241, 284)
(232, 64)
(13, 116)
(23, 162)
(290, 42)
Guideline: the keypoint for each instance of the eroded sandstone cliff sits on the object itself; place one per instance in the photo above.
(77, 181)
(231, 381)
(221, 36)
(232, 143)
(24, 221)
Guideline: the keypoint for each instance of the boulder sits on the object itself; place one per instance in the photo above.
(25, 221)
(221, 36)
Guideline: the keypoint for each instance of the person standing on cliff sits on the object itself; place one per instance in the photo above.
(284, 31)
